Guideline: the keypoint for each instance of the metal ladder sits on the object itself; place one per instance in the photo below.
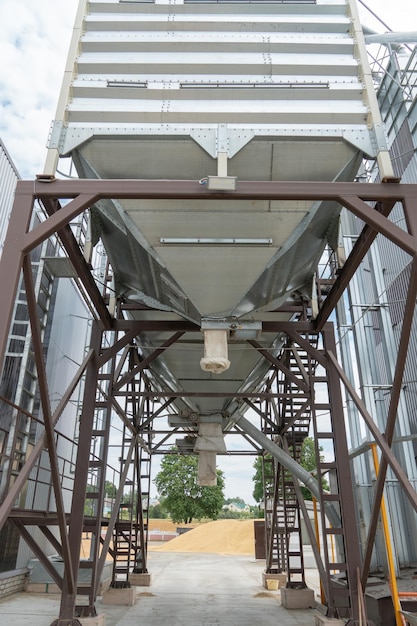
(291, 415)
(131, 528)
(96, 483)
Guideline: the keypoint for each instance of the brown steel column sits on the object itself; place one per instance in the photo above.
(76, 521)
(347, 501)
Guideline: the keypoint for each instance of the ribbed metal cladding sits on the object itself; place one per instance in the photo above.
(216, 62)
(397, 293)
(402, 149)
(8, 178)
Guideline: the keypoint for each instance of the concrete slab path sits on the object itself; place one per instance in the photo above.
(187, 589)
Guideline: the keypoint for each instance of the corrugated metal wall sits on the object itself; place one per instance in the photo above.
(65, 322)
(8, 178)
(377, 301)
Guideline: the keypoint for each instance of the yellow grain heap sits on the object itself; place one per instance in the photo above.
(219, 537)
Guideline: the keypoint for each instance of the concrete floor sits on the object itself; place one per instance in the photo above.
(188, 590)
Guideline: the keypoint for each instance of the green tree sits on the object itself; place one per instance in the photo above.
(226, 514)
(157, 511)
(307, 460)
(258, 485)
(184, 499)
(110, 489)
(235, 500)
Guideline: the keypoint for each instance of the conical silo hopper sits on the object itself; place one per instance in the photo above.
(216, 92)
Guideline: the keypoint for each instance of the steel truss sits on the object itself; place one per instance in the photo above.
(114, 372)
(308, 399)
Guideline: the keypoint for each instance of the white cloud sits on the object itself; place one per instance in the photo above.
(34, 40)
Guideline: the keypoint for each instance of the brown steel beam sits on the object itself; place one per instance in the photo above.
(269, 357)
(79, 263)
(294, 333)
(262, 415)
(381, 224)
(43, 519)
(361, 247)
(56, 220)
(131, 427)
(85, 192)
(185, 326)
(120, 412)
(31, 517)
(175, 325)
(239, 431)
(410, 207)
(109, 353)
(150, 419)
(146, 361)
(156, 447)
(46, 531)
(125, 189)
(35, 548)
(209, 394)
(291, 422)
(254, 407)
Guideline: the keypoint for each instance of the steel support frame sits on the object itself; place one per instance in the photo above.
(371, 203)
(287, 421)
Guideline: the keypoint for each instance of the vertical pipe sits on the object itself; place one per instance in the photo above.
(388, 546)
(316, 528)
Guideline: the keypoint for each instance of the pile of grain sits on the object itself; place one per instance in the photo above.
(219, 537)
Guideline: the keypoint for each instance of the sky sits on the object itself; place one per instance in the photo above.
(34, 40)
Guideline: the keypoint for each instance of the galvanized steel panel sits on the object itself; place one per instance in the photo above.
(158, 91)
(9, 178)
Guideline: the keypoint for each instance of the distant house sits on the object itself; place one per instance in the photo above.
(236, 507)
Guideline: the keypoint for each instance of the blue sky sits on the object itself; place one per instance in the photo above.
(34, 40)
